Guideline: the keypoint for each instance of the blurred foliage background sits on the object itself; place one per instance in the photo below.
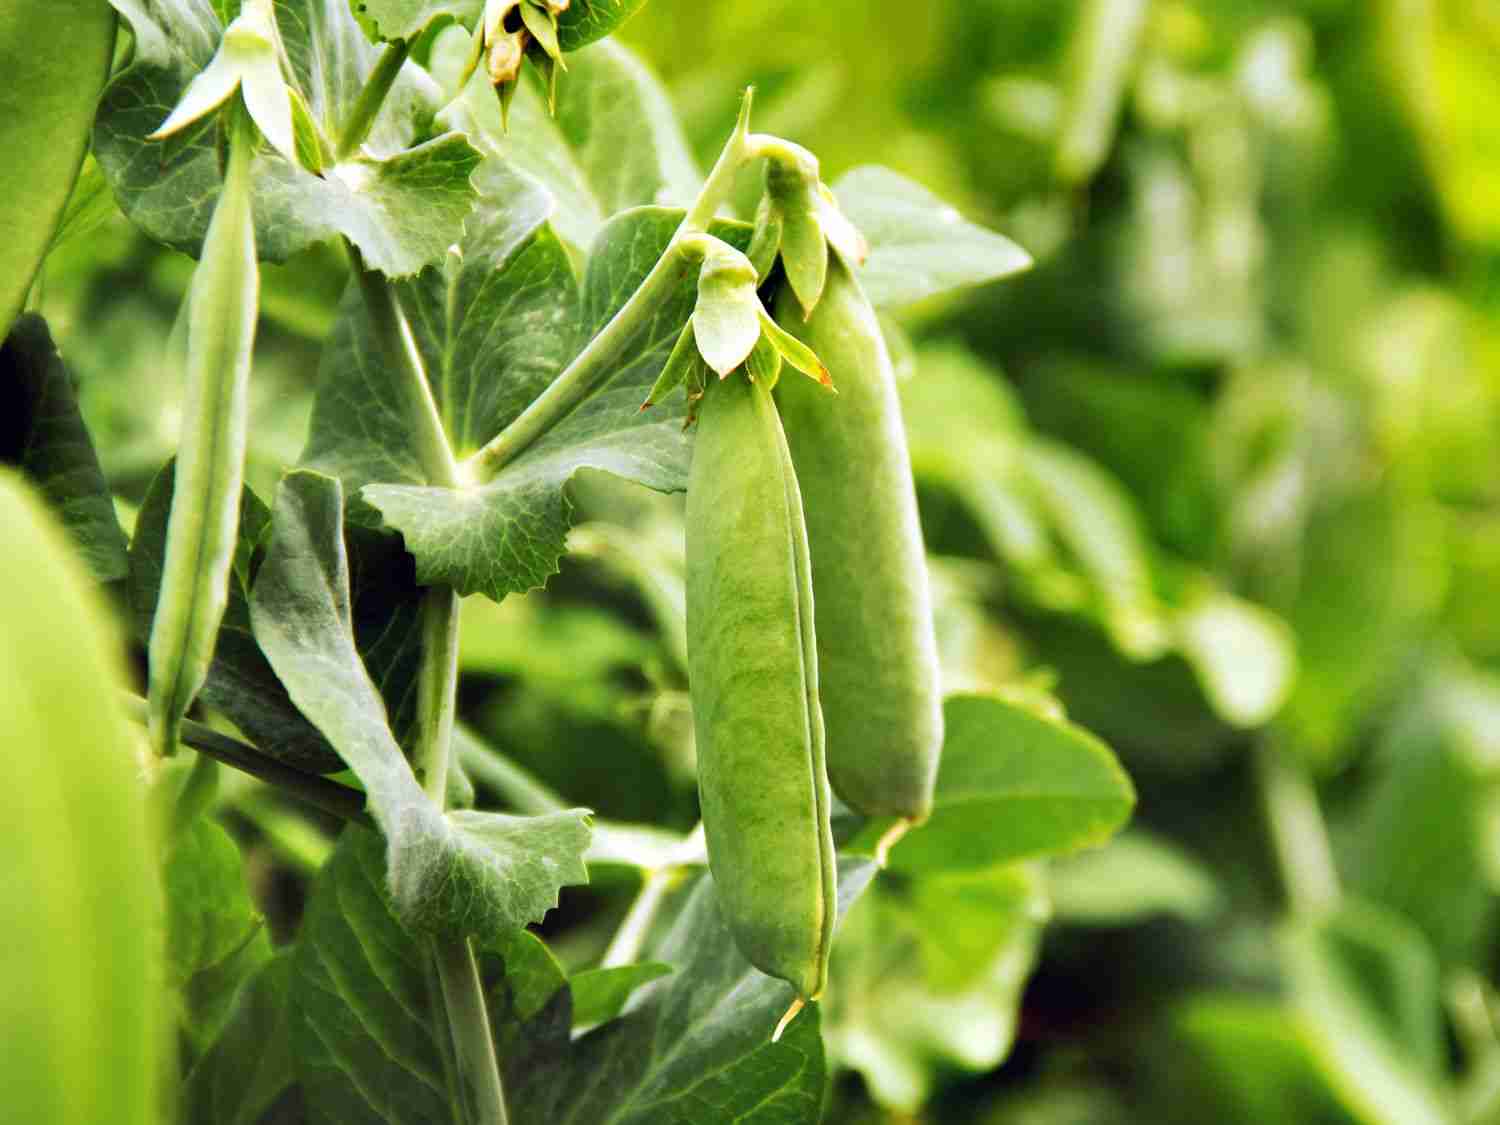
(1219, 477)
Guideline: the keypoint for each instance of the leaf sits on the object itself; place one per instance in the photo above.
(212, 925)
(402, 205)
(927, 975)
(1420, 837)
(532, 974)
(585, 21)
(240, 682)
(476, 873)
(600, 994)
(392, 20)
(1133, 878)
(1366, 988)
(251, 1066)
(919, 246)
(1100, 58)
(43, 434)
(613, 143)
(507, 536)
(1013, 785)
(1244, 655)
(692, 1047)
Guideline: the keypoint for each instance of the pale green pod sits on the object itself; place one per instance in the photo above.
(55, 57)
(753, 672)
(80, 910)
(201, 535)
(877, 652)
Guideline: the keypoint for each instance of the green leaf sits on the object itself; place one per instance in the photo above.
(919, 245)
(403, 203)
(507, 535)
(694, 1046)
(1133, 878)
(1099, 63)
(532, 974)
(585, 21)
(478, 873)
(1366, 988)
(391, 20)
(613, 143)
(240, 682)
(1421, 836)
(1014, 785)
(44, 436)
(1244, 655)
(250, 1067)
(214, 933)
(927, 975)
(600, 994)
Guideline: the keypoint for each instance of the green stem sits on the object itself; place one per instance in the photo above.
(1298, 834)
(437, 679)
(473, 1049)
(371, 98)
(330, 796)
(581, 377)
(523, 792)
(625, 947)
(437, 682)
(400, 347)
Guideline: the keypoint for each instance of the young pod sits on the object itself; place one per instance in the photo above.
(754, 677)
(877, 654)
(201, 534)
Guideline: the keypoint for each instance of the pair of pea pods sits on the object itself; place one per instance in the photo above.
(810, 639)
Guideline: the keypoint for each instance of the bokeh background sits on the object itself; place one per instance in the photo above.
(1220, 476)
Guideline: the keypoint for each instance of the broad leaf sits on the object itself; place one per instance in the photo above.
(928, 974)
(582, 22)
(215, 936)
(479, 873)
(614, 142)
(1365, 986)
(507, 536)
(585, 21)
(240, 682)
(1133, 878)
(250, 1067)
(919, 245)
(402, 203)
(692, 1047)
(600, 994)
(1014, 785)
(42, 434)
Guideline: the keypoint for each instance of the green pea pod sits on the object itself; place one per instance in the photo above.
(753, 672)
(877, 654)
(201, 534)
(80, 913)
(55, 57)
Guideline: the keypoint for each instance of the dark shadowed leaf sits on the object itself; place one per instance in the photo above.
(251, 1065)
(43, 435)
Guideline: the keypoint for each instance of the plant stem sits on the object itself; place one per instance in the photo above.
(330, 796)
(437, 678)
(1298, 834)
(474, 1050)
(437, 683)
(525, 793)
(579, 379)
(394, 334)
(371, 98)
(625, 947)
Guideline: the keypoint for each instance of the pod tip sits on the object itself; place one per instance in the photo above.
(791, 1013)
(890, 839)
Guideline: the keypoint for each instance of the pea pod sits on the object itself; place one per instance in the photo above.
(754, 677)
(877, 654)
(55, 57)
(80, 912)
(221, 313)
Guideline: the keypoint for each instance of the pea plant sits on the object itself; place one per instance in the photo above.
(546, 305)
